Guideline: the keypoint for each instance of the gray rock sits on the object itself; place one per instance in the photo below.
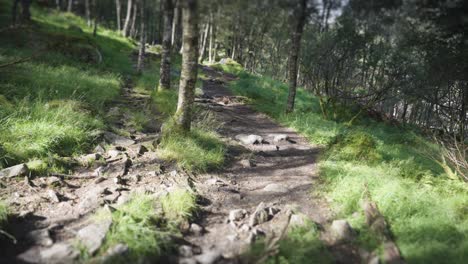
(93, 235)
(99, 149)
(187, 261)
(117, 140)
(185, 251)
(52, 196)
(59, 253)
(113, 153)
(247, 163)
(15, 171)
(237, 215)
(298, 220)
(52, 180)
(249, 139)
(89, 158)
(260, 215)
(275, 187)
(209, 257)
(118, 251)
(196, 229)
(141, 150)
(341, 231)
(40, 237)
(91, 199)
(280, 137)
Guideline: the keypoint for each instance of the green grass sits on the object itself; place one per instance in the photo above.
(53, 104)
(3, 213)
(302, 244)
(147, 224)
(230, 66)
(427, 211)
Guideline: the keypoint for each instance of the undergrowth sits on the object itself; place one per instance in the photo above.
(52, 104)
(3, 213)
(427, 211)
(146, 224)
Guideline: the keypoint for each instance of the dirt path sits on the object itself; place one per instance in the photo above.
(277, 177)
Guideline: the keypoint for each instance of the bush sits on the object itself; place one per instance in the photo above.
(355, 145)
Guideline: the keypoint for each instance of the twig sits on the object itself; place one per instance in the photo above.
(8, 236)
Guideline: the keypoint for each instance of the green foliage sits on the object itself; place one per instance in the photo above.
(52, 104)
(229, 66)
(3, 213)
(425, 209)
(138, 225)
(179, 205)
(302, 244)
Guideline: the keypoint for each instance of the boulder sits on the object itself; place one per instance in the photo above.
(341, 231)
(117, 251)
(280, 137)
(275, 187)
(117, 140)
(59, 253)
(249, 139)
(185, 251)
(15, 171)
(260, 215)
(93, 235)
(237, 215)
(40, 237)
(209, 257)
(196, 229)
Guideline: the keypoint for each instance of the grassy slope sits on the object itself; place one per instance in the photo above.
(52, 104)
(426, 210)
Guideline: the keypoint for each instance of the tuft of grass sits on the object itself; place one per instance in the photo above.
(137, 224)
(3, 213)
(179, 205)
(302, 244)
(427, 211)
(230, 66)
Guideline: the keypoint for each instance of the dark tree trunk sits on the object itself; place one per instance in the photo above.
(188, 78)
(165, 70)
(14, 11)
(127, 18)
(301, 14)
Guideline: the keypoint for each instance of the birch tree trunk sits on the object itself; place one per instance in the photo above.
(188, 78)
(294, 53)
(141, 53)
(127, 18)
(88, 13)
(118, 7)
(134, 17)
(165, 70)
(203, 46)
(70, 5)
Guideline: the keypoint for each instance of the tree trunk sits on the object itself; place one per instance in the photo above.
(203, 46)
(127, 18)
(294, 53)
(188, 78)
(70, 5)
(134, 18)
(57, 4)
(165, 70)
(141, 53)
(14, 11)
(88, 13)
(210, 47)
(118, 6)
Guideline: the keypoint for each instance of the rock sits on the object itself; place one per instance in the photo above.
(119, 250)
(40, 237)
(185, 251)
(280, 137)
(209, 257)
(298, 220)
(52, 196)
(113, 153)
(93, 235)
(249, 139)
(214, 181)
(90, 200)
(53, 181)
(141, 150)
(237, 215)
(117, 169)
(15, 171)
(59, 253)
(187, 261)
(99, 180)
(196, 229)
(247, 163)
(89, 159)
(99, 149)
(341, 231)
(275, 187)
(117, 140)
(259, 216)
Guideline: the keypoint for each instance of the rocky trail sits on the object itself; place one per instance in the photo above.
(266, 187)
